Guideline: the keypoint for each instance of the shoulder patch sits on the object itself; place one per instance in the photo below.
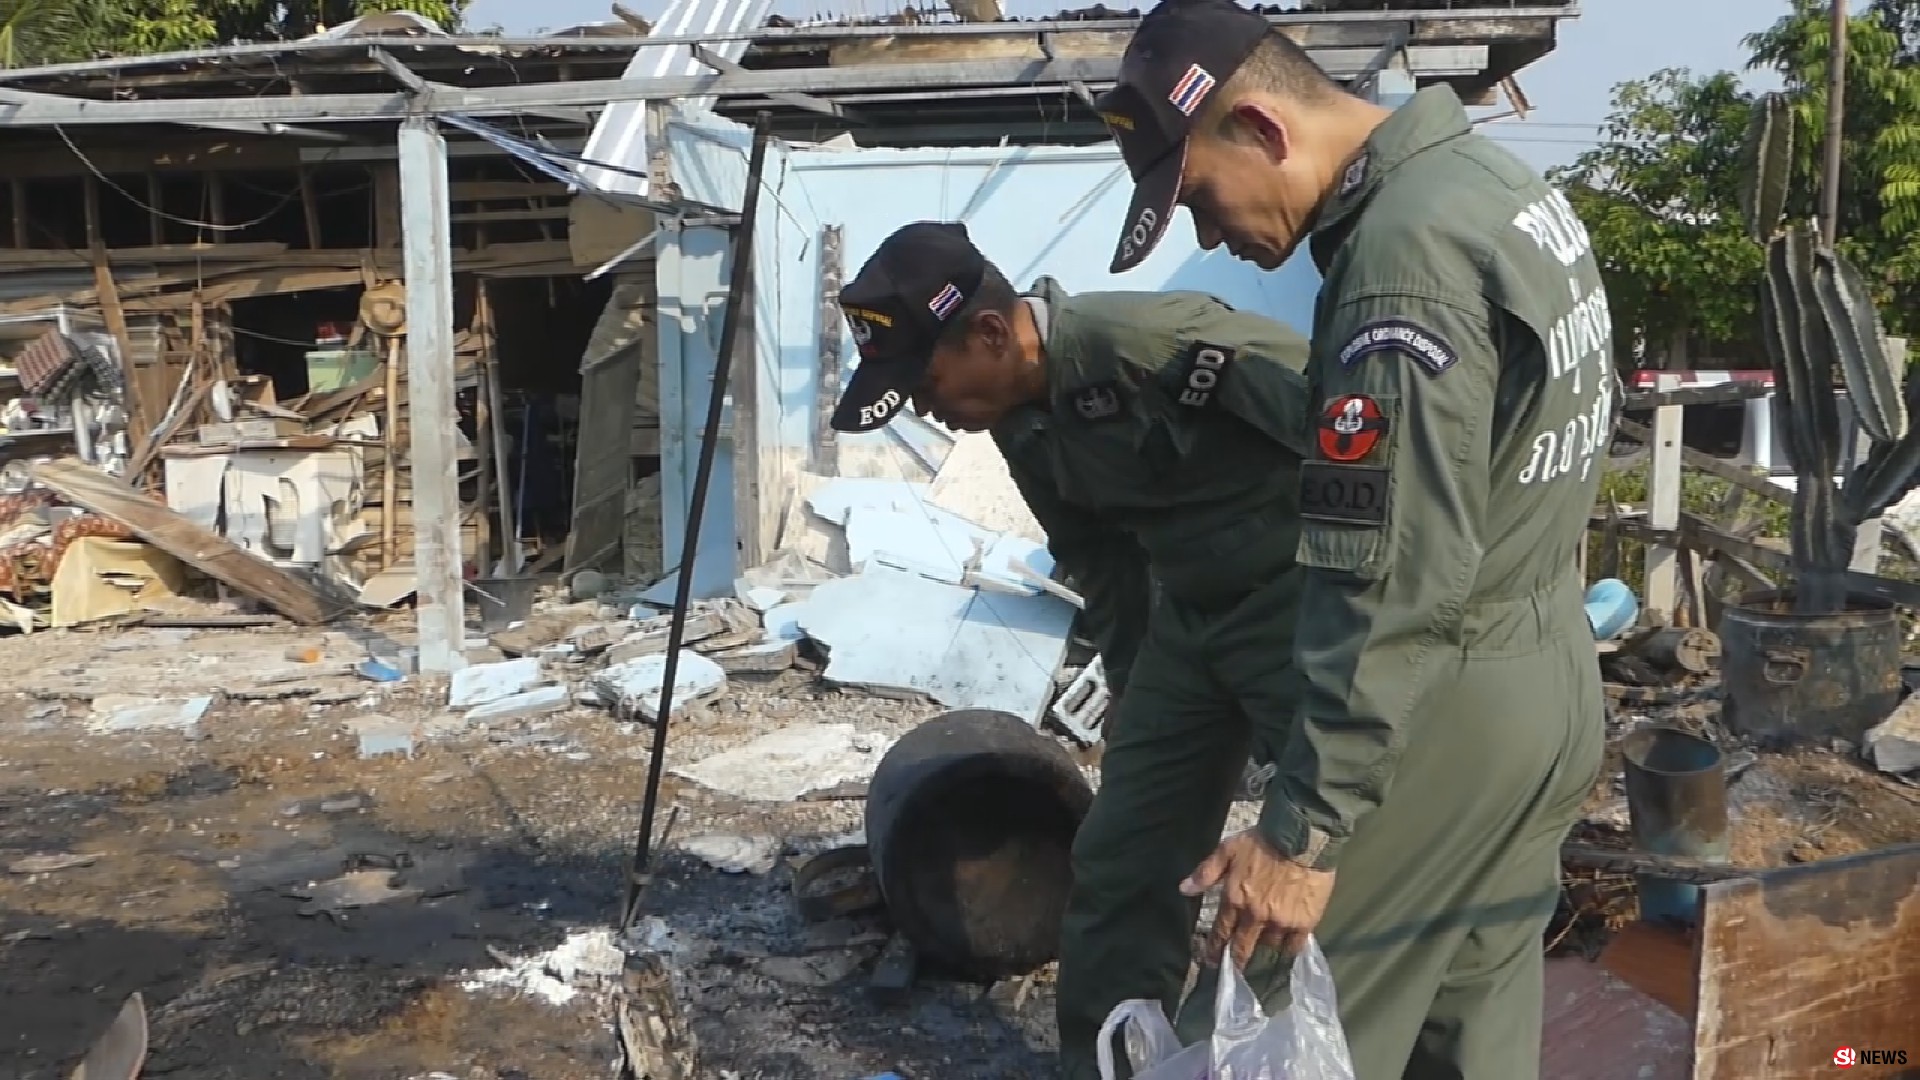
(1200, 376)
(1101, 401)
(1343, 494)
(1351, 428)
(1427, 348)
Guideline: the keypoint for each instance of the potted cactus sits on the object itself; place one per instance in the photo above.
(1816, 658)
(1816, 315)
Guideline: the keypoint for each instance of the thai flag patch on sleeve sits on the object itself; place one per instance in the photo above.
(945, 301)
(1191, 90)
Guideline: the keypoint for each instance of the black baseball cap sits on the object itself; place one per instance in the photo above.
(1181, 53)
(897, 305)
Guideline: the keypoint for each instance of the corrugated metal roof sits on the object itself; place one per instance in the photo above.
(620, 135)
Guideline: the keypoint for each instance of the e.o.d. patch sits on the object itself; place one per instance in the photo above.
(1427, 348)
(1343, 494)
(1098, 402)
(1351, 428)
(1200, 377)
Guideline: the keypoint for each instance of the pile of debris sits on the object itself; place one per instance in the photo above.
(926, 603)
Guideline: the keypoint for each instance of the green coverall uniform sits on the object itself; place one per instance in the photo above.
(1452, 718)
(1170, 451)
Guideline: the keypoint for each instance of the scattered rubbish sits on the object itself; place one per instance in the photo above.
(587, 584)
(585, 957)
(1081, 708)
(479, 684)
(129, 712)
(1894, 743)
(963, 647)
(380, 735)
(1611, 608)
(378, 671)
(634, 686)
(531, 703)
(353, 889)
(121, 1049)
(785, 764)
(734, 854)
(49, 863)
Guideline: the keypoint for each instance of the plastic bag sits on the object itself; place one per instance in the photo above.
(1304, 1043)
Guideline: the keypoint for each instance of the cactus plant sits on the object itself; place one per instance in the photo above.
(1816, 315)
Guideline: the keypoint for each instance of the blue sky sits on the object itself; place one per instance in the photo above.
(1612, 41)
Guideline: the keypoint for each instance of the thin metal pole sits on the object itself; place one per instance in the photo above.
(1836, 123)
(737, 310)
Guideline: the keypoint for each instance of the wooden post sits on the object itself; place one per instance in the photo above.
(390, 472)
(1663, 501)
(432, 446)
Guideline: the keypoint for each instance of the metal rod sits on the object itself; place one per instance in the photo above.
(824, 32)
(1836, 123)
(594, 93)
(738, 282)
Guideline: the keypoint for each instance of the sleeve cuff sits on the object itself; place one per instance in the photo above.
(1297, 839)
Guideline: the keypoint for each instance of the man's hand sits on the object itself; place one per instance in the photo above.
(1265, 898)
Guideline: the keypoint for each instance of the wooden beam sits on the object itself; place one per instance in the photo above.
(90, 489)
(1798, 962)
(1741, 477)
(486, 190)
(1707, 537)
(548, 213)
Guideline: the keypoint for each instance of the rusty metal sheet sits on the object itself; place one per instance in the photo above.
(1803, 961)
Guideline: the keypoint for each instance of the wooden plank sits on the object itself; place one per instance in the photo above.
(1743, 478)
(1663, 497)
(1705, 536)
(1722, 394)
(489, 190)
(293, 271)
(1798, 962)
(207, 552)
(550, 213)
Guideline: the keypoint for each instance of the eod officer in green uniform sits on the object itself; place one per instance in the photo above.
(1155, 437)
(1452, 717)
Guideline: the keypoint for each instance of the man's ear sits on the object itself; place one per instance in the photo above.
(1258, 123)
(994, 331)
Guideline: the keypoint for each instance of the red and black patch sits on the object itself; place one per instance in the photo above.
(1350, 428)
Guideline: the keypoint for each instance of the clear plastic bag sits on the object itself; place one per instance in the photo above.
(1304, 1043)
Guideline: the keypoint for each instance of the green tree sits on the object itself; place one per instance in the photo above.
(51, 31)
(1658, 197)
(1880, 167)
(1658, 194)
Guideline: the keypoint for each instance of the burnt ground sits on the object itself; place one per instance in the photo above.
(516, 833)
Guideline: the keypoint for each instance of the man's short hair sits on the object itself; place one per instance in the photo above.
(1276, 66)
(994, 294)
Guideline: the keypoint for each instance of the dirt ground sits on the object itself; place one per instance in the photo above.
(206, 856)
(205, 843)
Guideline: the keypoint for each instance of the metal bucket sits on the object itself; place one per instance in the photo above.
(970, 824)
(1819, 676)
(1677, 802)
(504, 601)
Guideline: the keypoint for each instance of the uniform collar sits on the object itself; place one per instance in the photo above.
(1430, 117)
(1063, 372)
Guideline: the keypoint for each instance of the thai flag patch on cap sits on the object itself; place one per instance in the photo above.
(1191, 90)
(945, 301)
